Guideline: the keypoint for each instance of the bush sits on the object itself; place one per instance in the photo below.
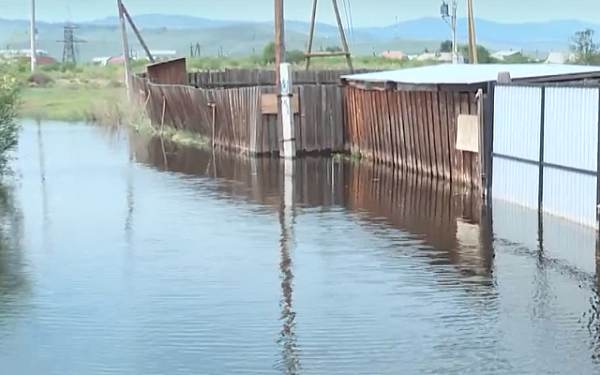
(39, 79)
(9, 127)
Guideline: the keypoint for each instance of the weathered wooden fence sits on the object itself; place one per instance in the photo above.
(413, 129)
(238, 108)
(263, 77)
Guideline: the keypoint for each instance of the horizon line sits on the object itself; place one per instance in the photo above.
(291, 20)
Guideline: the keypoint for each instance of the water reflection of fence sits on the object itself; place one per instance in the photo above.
(451, 231)
(257, 179)
(444, 220)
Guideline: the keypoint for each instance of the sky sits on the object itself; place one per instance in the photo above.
(364, 12)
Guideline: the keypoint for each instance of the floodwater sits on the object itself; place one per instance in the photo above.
(120, 256)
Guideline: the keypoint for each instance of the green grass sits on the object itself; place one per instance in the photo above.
(75, 93)
(65, 104)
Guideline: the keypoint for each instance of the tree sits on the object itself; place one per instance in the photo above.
(269, 53)
(483, 54)
(446, 46)
(585, 49)
(293, 56)
(9, 105)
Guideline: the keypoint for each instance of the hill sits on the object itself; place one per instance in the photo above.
(244, 38)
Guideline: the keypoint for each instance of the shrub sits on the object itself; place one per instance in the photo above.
(9, 127)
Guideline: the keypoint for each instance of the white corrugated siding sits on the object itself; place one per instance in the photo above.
(571, 140)
(517, 116)
(571, 127)
(570, 195)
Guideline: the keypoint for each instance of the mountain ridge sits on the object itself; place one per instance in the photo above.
(234, 37)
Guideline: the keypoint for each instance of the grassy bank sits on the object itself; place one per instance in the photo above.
(66, 104)
(70, 94)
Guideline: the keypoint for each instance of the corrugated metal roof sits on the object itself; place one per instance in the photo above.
(451, 74)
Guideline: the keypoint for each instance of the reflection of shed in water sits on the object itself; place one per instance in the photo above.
(450, 223)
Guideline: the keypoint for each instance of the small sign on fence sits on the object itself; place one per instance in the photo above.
(268, 104)
(467, 138)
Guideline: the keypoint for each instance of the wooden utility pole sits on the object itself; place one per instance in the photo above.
(473, 58)
(279, 36)
(125, 48)
(137, 33)
(32, 38)
(345, 50)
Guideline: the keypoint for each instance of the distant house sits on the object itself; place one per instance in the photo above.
(40, 60)
(100, 60)
(115, 60)
(158, 55)
(8, 53)
(504, 55)
(42, 56)
(136, 55)
(559, 58)
(439, 56)
(396, 55)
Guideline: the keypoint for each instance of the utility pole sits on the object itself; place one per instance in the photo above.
(125, 48)
(444, 11)
(279, 35)
(33, 36)
(345, 50)
(473, 58)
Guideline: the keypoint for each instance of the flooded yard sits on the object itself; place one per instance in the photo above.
(122, 256)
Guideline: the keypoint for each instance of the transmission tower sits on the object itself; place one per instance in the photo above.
(69, 41)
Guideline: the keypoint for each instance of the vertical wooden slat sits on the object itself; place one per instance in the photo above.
(434, 130)
(464, 109)
(404, 107)
(453, 107)
(416, 129)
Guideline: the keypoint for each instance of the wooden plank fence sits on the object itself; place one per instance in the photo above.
(416, 130)
(263, 77)
(241, 119)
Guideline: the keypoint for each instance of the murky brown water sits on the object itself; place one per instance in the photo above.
(183, 262)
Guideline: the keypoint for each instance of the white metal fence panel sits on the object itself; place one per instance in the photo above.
(571, 127)
(522, 190)
(517, 116)
(570, 195)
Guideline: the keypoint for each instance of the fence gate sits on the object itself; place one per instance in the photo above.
(545, 149)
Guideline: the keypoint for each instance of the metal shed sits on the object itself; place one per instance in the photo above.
(430, 120)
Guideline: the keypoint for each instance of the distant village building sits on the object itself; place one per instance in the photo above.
(100, 60)
(115, 60)
(42, 56)
(396, 55)
(439, 56)
(504, 55)
(559, 58)
(40, 60)
(159, 55)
